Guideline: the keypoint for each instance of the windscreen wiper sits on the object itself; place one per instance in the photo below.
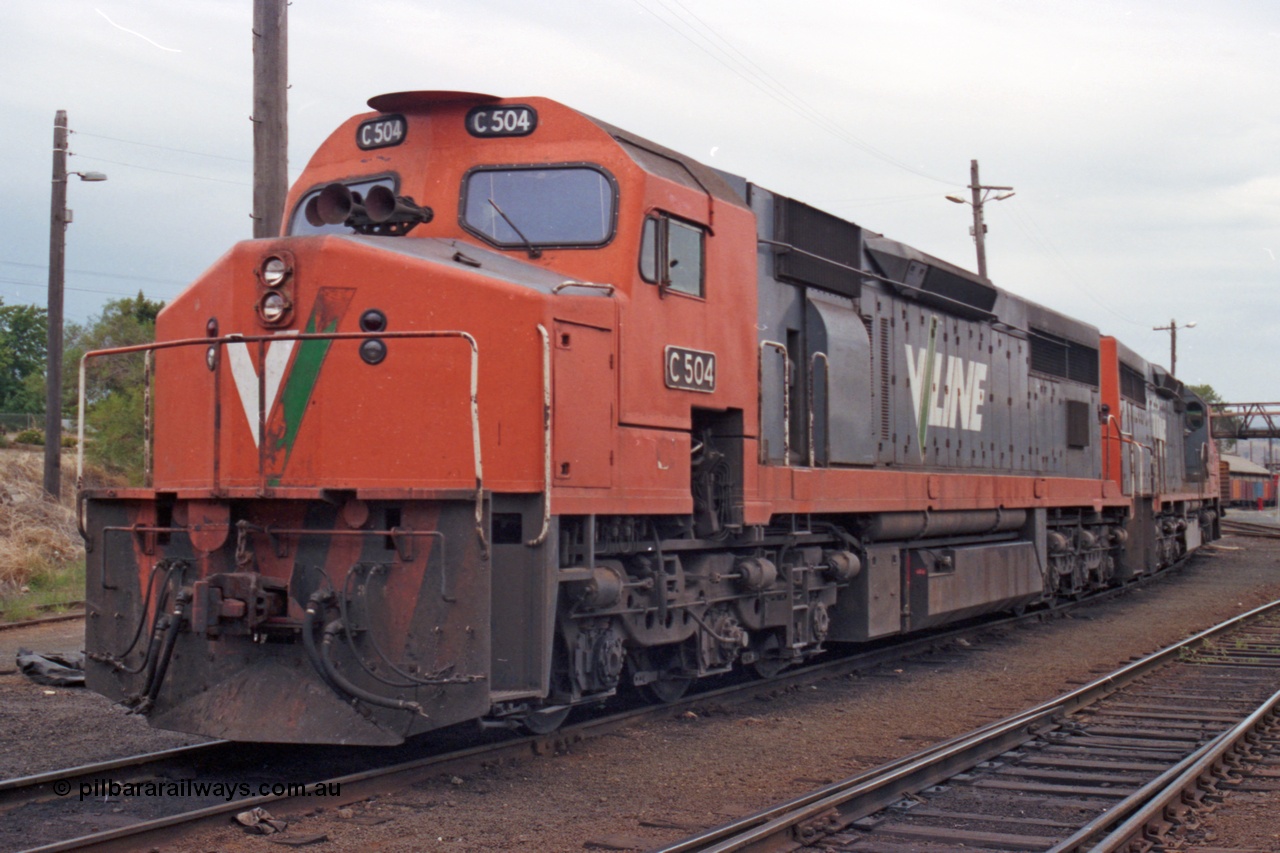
(534, 251)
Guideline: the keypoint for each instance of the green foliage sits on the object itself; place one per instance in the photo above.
(113, 384)
(116, 423)
(29, 436)
(1207, 393)
(23, 341)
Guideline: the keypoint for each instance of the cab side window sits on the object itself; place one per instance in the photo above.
(671, 255)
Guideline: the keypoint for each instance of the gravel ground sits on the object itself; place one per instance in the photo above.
(662, 781)
(47, 728)
(1244, 823)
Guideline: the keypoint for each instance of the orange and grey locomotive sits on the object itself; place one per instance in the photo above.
(522, 409)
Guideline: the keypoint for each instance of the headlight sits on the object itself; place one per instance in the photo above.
(274, 271)
(273, 308)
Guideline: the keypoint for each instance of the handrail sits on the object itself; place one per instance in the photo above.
(146, 422)
(786, 401)
(826, 378)
(155, 346)
(546, 439)
(1127, 438)
(608, 288)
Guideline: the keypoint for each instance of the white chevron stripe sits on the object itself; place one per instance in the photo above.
(246, 377)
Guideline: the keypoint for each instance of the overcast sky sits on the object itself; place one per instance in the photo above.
(1142, 136)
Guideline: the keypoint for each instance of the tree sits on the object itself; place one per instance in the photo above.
(114, 388)
(1215, 401)
(23, 335)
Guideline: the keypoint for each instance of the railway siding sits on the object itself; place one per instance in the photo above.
(1081, 765)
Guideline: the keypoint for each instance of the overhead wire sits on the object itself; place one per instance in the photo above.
(97, 273)
(874, 201)
(162, 171)
(709, 41)
(42, 285)
(1037, 237)
(161, 147)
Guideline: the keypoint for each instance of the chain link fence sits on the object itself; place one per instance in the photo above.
(18, 421)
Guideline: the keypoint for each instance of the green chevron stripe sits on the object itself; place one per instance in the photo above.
(302, 381)
(926, 387)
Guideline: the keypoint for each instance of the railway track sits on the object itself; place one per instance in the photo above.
(120, 823)
(1250, 528)
(60, 818)
(1100, 768)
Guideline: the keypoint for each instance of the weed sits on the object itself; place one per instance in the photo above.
(41, 553)
(50, 588)
(29, 436)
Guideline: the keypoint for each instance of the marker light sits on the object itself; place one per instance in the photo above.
(373, 351)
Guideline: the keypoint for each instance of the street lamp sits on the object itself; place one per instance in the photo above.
(1172, 329)
(980, 198)
(59, 218)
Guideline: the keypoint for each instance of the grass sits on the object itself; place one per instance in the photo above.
(41, 554)
(49, 589)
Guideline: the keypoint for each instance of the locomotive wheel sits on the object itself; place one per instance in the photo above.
(544, 721)
(765, 666)
(667, 689)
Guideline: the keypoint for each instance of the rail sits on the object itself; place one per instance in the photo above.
(402, 769)
(216, 348)
(825, 810)
(1149, 805)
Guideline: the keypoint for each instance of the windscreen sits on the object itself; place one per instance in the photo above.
(563, 206)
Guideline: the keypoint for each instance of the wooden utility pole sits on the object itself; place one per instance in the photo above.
(53, 366)
(270, 115)
(59, 218)
(1172, 329)
(979, 229)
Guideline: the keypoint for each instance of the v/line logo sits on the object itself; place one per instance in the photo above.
(946, 390)
(246, 378)
(955, 394)
(290, 370)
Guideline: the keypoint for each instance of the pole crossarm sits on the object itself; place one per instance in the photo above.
(1246, 420)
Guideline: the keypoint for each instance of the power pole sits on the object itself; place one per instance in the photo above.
(57, 255)
(270, 115)
(979, 229)
(1172, 329)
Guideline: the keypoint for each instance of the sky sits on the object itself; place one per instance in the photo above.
(1141, 136)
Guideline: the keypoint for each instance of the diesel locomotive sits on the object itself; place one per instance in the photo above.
(522, 409)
